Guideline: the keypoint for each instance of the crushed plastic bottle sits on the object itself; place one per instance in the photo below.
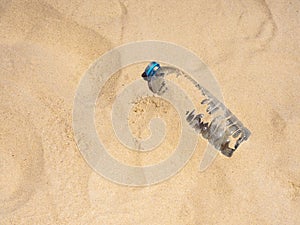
(216, 122)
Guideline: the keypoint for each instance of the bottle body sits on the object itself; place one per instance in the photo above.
(215, 122)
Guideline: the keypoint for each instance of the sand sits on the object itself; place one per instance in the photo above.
(251, 47)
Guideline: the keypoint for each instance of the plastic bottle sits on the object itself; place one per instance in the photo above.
(223, 130)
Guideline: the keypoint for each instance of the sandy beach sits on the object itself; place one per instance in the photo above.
(251, 48)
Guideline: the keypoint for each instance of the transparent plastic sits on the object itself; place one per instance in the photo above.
(216, 123)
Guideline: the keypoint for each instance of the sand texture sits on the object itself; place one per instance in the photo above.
(251, 47)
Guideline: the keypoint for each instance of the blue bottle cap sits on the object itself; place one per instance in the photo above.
(151, 69)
